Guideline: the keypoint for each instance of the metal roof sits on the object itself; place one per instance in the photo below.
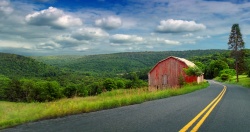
(187, 62)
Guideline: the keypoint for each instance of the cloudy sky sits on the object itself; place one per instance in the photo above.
(83, 27)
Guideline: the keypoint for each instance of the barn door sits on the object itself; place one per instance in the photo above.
(165, 79)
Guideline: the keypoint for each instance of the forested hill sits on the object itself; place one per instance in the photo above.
(12, 65)
(119, 62)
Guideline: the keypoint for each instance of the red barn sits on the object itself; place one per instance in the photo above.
(167, 72)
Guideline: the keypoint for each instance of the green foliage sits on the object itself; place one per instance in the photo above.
(84, 75)
(109, 84)
(230, 72)
(181, 81)
(120, 84)
(26, 90)
(94, 88)
(235, 41)
(14, 92)
(12, 65)
(215, 67)
(225, 77)
(110, 65)
(200, 65)
(70, 91)
(4, 83)
(193, 71)
(237, 45)
(248, 73)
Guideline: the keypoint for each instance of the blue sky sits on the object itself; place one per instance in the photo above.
(84, 27)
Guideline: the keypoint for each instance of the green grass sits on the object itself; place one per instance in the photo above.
(243, 80)
(12, 114)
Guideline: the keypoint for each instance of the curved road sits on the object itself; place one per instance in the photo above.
(231, 114)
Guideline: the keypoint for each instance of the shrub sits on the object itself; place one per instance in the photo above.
(181, 81)
(4, 83)
(70, 91)
(94, 88)
(47, 91)
(230, 72)
(224, 77)
(14, 91)
(193, 71)
(120, 84)
(82, 91)
(109, 84)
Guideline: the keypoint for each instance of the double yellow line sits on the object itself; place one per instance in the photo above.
(209, 108)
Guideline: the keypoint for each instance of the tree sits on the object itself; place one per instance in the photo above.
(109, 84)
(215, 67)
(4, 84)
(193, 71)
(236, 44)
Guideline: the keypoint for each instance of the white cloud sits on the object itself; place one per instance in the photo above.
(15, 45)
(176, 26)
(54, 18)
(81, 49)
(5, 7)
(67, 41)
(203, 37)
(48, 46)
(109, 23)
(188, 35)
(123, 38)
(168, 42)
(89, 33)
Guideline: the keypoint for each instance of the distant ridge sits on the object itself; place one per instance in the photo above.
(119, 62)
(13, 65)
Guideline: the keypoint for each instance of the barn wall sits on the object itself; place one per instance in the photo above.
(167, 72)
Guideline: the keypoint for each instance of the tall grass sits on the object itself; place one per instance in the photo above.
(12, 114)
(244, 80)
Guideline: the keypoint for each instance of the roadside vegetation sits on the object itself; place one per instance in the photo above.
(244, 80)
(13, 113)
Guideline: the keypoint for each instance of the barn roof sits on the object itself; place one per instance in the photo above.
(187, 62)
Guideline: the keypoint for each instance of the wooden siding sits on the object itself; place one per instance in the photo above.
(166, 73)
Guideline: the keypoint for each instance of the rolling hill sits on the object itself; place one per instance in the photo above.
(119, 62)
(13, 65)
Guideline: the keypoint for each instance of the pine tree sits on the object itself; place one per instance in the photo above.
(236, 44)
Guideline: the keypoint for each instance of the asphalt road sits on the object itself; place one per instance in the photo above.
(232, 114)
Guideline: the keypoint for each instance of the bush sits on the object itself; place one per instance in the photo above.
(193, 71)
(109, 84)
(14, 92)
(181, 81)
(120, 84)
(70, 91)
(4, 83)
(230, 72)
(224, 77)
(26, 90)
(82, 91)
(94, 88)
(47, 91)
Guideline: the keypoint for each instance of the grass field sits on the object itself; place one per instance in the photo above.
(12, 114)
(243, 80)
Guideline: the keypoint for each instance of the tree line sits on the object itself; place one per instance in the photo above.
(49, 89)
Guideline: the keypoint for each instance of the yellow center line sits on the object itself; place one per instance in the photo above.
(214, 103)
